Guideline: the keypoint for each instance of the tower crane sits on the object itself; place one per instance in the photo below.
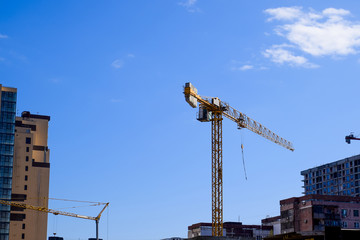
(350, 137)
(212, 109)
(55, 212)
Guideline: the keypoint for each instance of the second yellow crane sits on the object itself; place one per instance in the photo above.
(212, 110)
(55, 212)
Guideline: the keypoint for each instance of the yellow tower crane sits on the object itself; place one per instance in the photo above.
(55, 212)
(212, 109)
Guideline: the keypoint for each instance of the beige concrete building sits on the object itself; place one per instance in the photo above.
(30, 182)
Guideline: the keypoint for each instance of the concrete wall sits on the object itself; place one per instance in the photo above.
(30, 178)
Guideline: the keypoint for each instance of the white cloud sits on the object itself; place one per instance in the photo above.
(279, 54)
(246, 67)
(334, 11)
(118, 63)
(189, 5)
(115, 100)
(130, 55)
(325, 33)
(239, 66)
(284, 13)
(3, 36)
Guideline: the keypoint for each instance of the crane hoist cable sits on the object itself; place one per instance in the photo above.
(243, 159)
(242, 154)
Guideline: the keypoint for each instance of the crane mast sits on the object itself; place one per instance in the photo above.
(212, 110)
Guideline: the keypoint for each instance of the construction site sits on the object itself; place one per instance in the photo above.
(332, 191)
(179, 120)
(30, 141)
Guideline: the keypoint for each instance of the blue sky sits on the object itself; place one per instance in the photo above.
(110, 75)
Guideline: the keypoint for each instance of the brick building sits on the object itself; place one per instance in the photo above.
(274, 222)
(231, 229)
(312, 214)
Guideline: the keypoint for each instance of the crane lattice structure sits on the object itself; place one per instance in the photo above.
(55, 212)
(212, 110)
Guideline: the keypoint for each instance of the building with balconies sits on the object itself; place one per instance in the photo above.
(313, 214)
(341, 177)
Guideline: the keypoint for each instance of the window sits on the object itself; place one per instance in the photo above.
(28, 140)
(27, 149)
(344, 212)
(23, 226)
(25, 187)
(356, 224)
(344, 225)
(27, 158)
(4, 214)
(26, 177)
(356, 213)
(26, 168)
(23, 236)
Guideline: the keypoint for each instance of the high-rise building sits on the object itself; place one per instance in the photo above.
(7, 128)
(30, 184)
(336, 178)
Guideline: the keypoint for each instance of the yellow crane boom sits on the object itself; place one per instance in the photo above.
(212, 110)
(55, 212)
(236, 116)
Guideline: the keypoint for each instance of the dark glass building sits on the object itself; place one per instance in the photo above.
(336, 178)
(7, 130)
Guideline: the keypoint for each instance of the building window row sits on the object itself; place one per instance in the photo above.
(346, 213)
(346, 167)
(356, 224)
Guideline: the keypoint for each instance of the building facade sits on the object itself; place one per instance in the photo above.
(231, 230)
(312, 214)
(337, 178)
(30, 184)
(274, 222)
(7, 130)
